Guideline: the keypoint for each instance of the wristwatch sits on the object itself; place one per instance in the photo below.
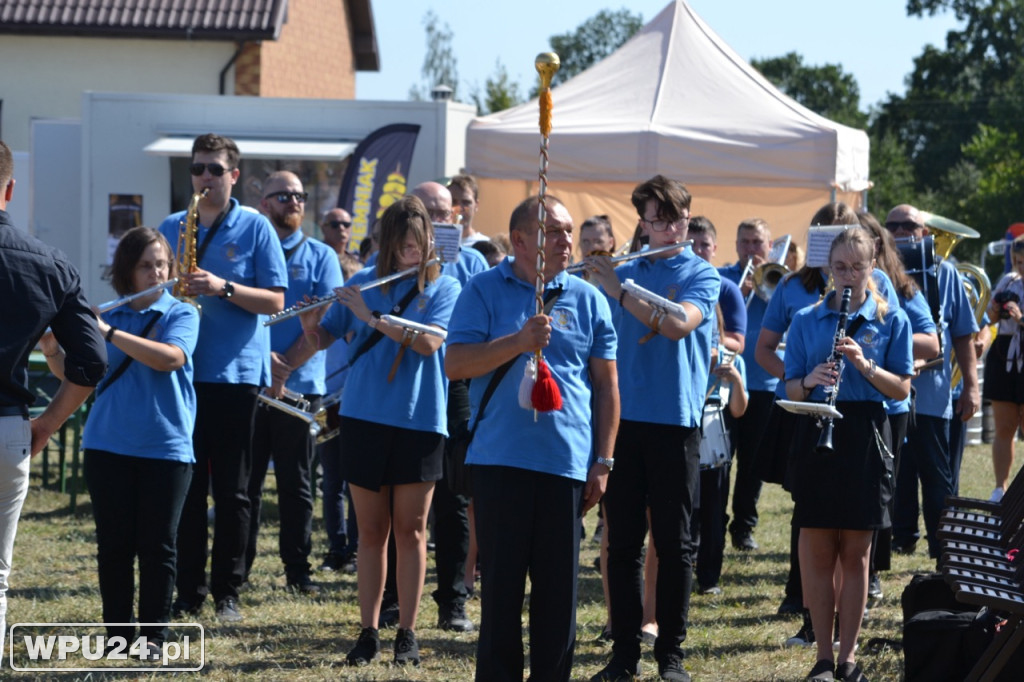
(228, 290)
(607, 461)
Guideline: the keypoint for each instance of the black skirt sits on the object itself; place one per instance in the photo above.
(1002, 385)
(776, 450)
(851, 487)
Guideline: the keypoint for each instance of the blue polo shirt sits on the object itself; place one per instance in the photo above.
(789, 298)
(234, 346)
(657, 378)
(734, 311)
(470, 262)
(759, 379)
(145, 412)
(888, 342)
(415, 399)
(495, 304)
(314, 270)
(934, 393)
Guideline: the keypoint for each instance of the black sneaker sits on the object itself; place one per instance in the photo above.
(617, 671)
(745, 542)
(791, 606)
(303, 584)
(804, 636)
(670, 669)
(406, 649)
(227, 610)
(823, 671)
(333, 561)
(875, 587)
(453, 617)
(388, 617)
(182, 607)
(850, 672)
(367, 648)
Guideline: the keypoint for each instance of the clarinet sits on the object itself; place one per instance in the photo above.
(839, 360)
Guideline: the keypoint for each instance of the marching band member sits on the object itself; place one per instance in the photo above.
(394, 420)
(138, 470)
(842, 496)
(532, 480)
(657, 447)
(313, 270)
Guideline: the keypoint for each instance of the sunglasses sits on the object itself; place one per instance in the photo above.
(338, 224)
(907, 225)
(215, 169)
(1017, 247)
(285, 197)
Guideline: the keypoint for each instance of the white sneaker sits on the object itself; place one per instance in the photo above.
(997, 495)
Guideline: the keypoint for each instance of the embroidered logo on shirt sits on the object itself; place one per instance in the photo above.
(421, 303)
(672, 292)
(231, 252)
(869, 338)
(296, 271)
(562, 318)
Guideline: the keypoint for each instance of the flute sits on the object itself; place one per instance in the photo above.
(576, 267)
(414, 326)
(110, 305)
(303, 307)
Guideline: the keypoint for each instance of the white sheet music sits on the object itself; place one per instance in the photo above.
(447, 238)
(819, 241)
(814, 409)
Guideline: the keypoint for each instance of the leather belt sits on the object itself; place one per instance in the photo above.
(14, 411)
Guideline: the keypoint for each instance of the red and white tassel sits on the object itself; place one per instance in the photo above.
(545, 395)
(527, 384)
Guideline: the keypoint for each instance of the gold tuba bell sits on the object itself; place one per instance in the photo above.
(187, 249)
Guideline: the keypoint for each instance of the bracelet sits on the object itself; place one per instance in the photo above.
(110, 334)
(871, 370)
(374, 319)
(622, 296)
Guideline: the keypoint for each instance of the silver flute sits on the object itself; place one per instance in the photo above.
(110, 305)
(303, 307)
(576, 267)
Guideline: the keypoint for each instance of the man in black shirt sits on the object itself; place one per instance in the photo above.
(39, 288)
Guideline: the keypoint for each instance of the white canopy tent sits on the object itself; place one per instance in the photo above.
(675, 100)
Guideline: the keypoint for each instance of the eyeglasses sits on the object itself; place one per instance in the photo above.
(843, 268)
(338, 224)
(662, 225)
(409, 249)
(905, 225)
(285, 197)
(215, 169)
(438, 215)
(1017, 247)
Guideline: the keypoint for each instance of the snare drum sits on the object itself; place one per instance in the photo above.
(715, 448)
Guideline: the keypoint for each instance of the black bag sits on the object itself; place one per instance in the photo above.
(943, 645)
(930, 592)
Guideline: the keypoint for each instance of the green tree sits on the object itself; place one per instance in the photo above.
(825, 90)
(593, 40)
(439, 64)
(500, 92)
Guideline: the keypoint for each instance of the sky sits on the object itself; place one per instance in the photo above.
(873, 39)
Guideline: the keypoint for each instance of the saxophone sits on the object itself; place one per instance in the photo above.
(187, 249)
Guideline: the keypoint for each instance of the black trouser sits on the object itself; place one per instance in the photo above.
(339, 514)
(136, 503)
(528, 523)
(451, 517)
(657, 467)
(287, 440)
(747, 439)
(708, 525)
(223, 445)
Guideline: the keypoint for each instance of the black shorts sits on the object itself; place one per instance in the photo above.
(1001, 385)
(375, 455)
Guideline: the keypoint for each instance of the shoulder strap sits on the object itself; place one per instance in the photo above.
(376, 336)
(288, 252)
(549, 302)
(209, 235)
(123, 367)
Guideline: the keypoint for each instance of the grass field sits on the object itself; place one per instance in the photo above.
(735, 636)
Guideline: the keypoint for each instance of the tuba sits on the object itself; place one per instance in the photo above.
(187, 249)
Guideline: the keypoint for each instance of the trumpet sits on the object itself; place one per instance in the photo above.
(303, 307)
(618, 260)
(767, 275)
(297, 406)
(836, 356)
(116, 303)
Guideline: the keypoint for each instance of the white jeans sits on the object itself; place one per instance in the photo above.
(15, 444)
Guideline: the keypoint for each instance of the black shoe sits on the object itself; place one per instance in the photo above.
(406, 649)
(745, 542)
(850, 672)
(616, 671)
(303, 584)
(670, 669)
(605, 636)
(453, 617)
(791, 606)
(907, 547)
(182, 607)
(823, 671)
(388, 617)
(227, 610)
(367, 648)
(333, 561)
(154, 652)
(713, 591)
(875, 587)
(804, 636)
